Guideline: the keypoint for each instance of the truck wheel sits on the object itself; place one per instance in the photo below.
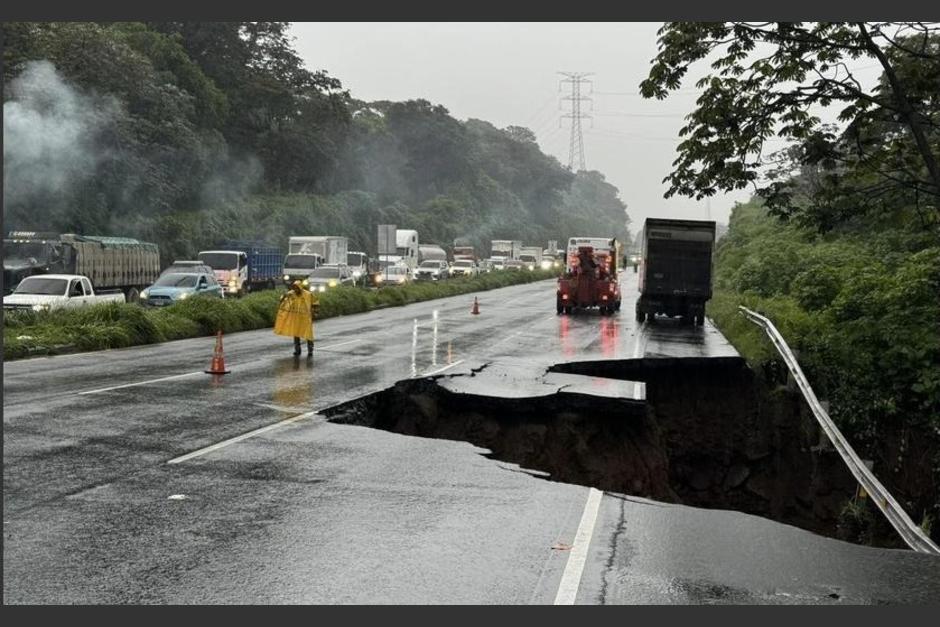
(617, 306)
(568, 309)
(559, 307)
(700, 320)
(132, 295)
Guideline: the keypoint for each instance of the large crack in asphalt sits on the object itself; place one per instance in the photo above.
(707, 434)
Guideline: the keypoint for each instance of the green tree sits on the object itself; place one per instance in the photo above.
(767, 79)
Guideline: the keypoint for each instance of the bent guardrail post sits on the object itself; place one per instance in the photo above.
(910, 532)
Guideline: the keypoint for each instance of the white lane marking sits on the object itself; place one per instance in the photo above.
(239, 438)
(324, 348)
(130, 385)
(428, 374)
(571, 578)
(639, 348)
(188, 374)
(259, 431)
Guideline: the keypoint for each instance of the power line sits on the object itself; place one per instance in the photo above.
(576, 141)
(636, 93)
(643, 115)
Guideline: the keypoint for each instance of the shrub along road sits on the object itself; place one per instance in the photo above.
(121, 325)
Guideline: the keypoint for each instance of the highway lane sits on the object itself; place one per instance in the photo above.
(315, 512)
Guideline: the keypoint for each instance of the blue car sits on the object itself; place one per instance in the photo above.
(176, 286)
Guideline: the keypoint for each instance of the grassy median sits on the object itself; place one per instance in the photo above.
(113, 325)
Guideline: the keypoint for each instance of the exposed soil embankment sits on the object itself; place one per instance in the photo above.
(709, 435)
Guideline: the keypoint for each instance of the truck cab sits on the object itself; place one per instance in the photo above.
(230, 268)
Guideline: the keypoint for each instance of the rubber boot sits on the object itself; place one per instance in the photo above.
(296, 347)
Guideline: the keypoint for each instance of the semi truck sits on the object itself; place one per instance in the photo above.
(242, 267)
(406, 250)
(591, 281)
(109, 263)
(503, 249)
(675, 269)
(307, 253)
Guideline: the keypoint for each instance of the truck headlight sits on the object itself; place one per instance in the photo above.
(145, 294)
(531, 267)
(287, 277)
(305, 282)
(232, 282)
(322, 288)
(379, 278)
(333, 283)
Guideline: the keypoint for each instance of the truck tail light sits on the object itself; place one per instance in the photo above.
(564, 297)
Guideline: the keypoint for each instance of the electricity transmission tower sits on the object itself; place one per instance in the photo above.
(576, 148)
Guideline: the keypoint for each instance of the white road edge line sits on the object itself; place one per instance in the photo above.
(571, 578)
(239, 438)
(428, 374)
(188, 374)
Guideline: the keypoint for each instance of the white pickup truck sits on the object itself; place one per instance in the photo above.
(41, 292)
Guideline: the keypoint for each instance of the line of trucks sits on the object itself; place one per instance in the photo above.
(91, 269)
(674, 268)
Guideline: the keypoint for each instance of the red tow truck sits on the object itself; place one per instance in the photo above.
(590, 281)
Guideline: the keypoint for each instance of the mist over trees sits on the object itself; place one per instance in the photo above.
(187, 133)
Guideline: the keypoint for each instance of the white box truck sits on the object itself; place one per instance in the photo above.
(306, 253)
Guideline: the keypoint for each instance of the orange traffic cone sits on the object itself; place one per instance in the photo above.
(476, 306)
(218, 358)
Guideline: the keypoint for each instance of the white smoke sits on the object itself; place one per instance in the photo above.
(49, 132)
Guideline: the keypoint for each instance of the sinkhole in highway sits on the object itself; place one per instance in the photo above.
(709, 434)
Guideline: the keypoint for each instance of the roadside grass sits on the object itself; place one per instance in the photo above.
(119, 325)
(749, 339)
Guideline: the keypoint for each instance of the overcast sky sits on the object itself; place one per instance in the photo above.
(507, 74)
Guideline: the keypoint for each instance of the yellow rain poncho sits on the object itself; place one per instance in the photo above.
(294, 314)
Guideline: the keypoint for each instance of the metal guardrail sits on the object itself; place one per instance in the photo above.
(912, 534)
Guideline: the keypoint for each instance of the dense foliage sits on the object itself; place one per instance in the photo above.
(189, 133)
(863, 311)
(850, 274)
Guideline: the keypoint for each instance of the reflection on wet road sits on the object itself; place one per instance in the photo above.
(280, 506)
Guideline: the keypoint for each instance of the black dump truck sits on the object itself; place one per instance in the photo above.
(109, 262)
(675, 269)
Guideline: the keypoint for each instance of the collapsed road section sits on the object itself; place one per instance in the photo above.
(697, 431)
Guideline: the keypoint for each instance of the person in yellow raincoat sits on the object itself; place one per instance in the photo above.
(295, 315)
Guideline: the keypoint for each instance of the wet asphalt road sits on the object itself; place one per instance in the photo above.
(313, 512)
